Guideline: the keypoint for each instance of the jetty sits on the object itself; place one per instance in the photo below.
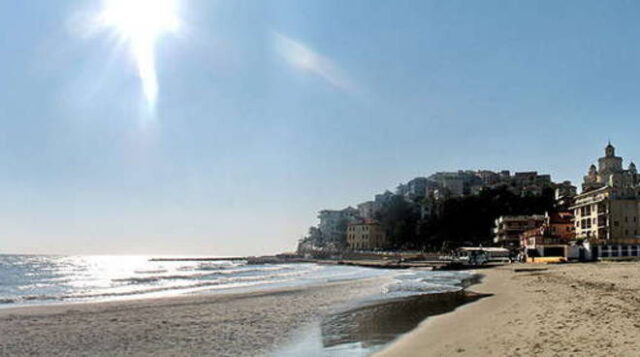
(205, 259)
(392, 261)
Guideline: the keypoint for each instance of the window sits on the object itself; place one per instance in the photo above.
(602, 221)
(614, 251)
(615, 223)
(625, 252)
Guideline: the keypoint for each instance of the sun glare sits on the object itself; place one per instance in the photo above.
(140, 23)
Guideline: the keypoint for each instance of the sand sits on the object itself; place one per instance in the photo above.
(215, 325)
(538, 310)
(534, 310)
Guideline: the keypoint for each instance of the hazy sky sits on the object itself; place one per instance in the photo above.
(268, 111)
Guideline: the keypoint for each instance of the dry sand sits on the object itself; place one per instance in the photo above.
(223, 325)
(538, 310)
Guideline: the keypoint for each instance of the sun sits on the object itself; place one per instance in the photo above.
(140, 23)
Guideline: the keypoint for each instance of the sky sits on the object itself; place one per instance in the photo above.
(266, 112)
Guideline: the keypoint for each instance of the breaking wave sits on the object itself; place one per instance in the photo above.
(29, 280)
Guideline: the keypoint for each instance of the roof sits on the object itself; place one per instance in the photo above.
(560, 217)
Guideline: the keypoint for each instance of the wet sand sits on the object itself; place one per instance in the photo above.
(538, 310)
(380, 323)
(215, 325)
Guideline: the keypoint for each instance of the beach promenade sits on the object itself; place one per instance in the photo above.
(538, 310)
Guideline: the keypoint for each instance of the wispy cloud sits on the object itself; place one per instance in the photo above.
(305, 59)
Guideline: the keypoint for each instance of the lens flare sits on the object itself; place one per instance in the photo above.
(140, 23)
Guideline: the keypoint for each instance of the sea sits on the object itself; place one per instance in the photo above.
(358, 329)
(56, 279)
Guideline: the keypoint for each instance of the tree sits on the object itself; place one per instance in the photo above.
(469, 220)
(399, 217)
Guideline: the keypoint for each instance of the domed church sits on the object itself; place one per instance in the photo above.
(607, 212)
(610, 173)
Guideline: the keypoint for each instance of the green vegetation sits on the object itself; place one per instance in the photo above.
(458, 221)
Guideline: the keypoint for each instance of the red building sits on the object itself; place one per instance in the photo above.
(551, 238)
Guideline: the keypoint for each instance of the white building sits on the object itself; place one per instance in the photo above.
(609, 206)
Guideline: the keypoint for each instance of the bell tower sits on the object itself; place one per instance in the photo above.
(609, 151)
(609, 165)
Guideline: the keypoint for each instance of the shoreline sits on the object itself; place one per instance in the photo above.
(245, 324)
(142, 300)
(344, 313)
(582, 309)
(436, 331)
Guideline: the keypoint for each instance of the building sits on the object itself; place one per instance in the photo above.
(507, 229)
(610, 173)
(565, 194)
(414, 189)
(383, 198)
(368, 210)
(530, 183)
(488, 178)
(461, 183)
(333, 224)
(367, 235)
(565, 189)
(551, 239)
(444, 185)
(608, 207)
(453, 184)
(607, 211)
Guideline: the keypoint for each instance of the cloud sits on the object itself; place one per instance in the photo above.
(305, 59)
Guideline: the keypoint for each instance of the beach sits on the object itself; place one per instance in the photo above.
(517, 310)
(245, 324)
(111, 305)
(586, 309)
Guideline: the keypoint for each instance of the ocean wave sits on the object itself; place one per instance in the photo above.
(221, 283)
(213, 267)
(206, 266)
(198, 276)
(98, 278)
(427, 282)
(28, 298)
(417, 286)
(157, 271)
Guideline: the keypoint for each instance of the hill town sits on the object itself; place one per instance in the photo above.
(525, 212)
